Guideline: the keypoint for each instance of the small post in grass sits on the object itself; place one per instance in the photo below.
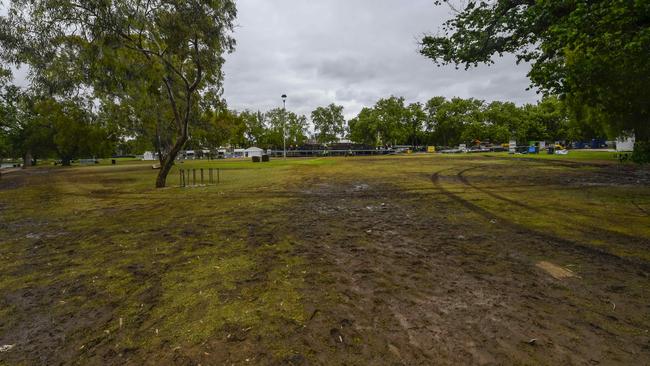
(194, 177)
(182, 175)
(201, 176)
(218, 175)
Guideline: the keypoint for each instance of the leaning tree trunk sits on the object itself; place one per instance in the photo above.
(168, 162)
(183, 122)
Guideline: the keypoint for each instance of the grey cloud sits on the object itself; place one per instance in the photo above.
(347, 69)
(351, 53)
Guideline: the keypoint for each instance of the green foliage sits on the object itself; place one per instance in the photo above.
(329, 123)
(255, 127)
(217, 128)
(363, 128)
(7, 120)
(39, 127)
(280, 122)
(505, 120)
(594, 53)
(129, 53)
(452, 118)
(390, 115)
(73, 131)
(389, 122)
(445, 122)
(415, 120)
(24, 135)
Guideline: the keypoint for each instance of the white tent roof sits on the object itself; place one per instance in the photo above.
(253, 149)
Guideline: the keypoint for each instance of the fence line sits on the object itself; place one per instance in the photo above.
(185, 178)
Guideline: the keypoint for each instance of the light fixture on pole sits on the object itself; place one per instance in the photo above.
(284, 124)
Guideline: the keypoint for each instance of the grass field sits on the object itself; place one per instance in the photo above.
(424, 259)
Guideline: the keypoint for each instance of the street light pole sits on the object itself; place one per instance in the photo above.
(284, 125)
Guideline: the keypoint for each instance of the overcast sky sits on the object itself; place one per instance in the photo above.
(350, 52)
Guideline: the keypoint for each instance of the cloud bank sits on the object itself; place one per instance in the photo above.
(351, 52)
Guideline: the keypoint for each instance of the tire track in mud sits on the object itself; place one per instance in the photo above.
(599, 231)
(553, 162)
(403, 287)
(560, 243)
(463, 179)
(412, 292)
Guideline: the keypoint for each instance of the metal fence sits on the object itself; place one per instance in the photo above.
(189, 178)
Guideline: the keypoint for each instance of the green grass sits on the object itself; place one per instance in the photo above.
(153, 270)
(580, 155)
(106, 227)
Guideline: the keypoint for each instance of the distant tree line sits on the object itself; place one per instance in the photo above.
(449, 122)
(35, 127)
(391, 121)
(124, 75)
(219, 127)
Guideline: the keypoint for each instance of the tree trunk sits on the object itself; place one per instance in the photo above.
(27, 159)
(158, 143)
(168, 163)
(161, 159)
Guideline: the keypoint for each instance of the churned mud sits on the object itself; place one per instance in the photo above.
(331, 269)
(407, 285)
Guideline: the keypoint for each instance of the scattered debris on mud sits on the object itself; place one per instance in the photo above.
(429, 261)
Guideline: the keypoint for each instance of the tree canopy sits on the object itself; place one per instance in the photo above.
(449, 122)
(128, 52)
(329, 123)
(595, 54)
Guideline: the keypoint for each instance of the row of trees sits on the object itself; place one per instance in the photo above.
(449, 122)
(266, 129)
(224, 127)
(45, 127)
(36, 127)
(151, 72)
(391, 121)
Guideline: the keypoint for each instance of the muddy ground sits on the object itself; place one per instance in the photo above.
(394, 274)
(421, 290)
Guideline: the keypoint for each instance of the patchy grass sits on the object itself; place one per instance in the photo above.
(578, 155)
(120, 270)
(166, 268)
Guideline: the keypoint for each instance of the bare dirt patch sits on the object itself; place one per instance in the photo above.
(345, 267)
(404, 284)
